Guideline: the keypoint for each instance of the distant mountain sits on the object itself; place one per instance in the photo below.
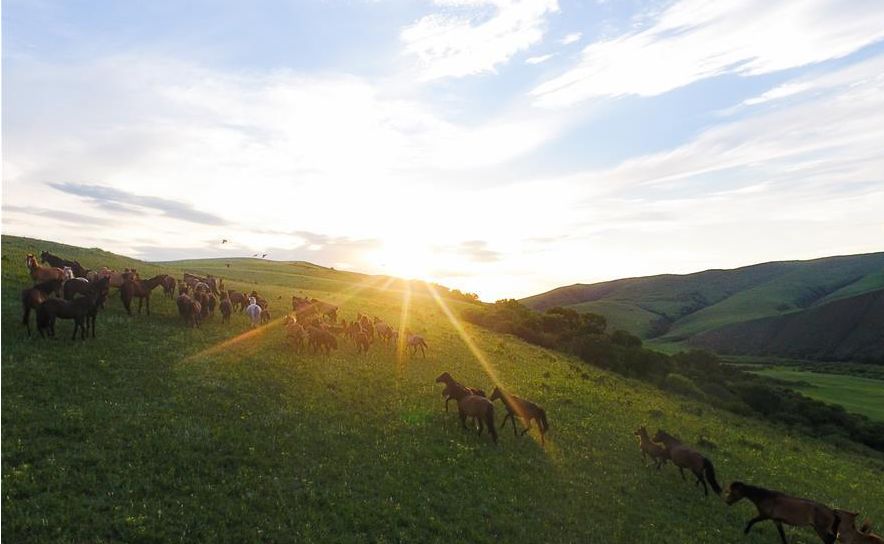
(706, 308)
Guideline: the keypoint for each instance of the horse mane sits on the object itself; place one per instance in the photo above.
(755, 492)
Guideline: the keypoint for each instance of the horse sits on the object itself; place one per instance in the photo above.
(848, 533)
(78, 309)
(58, 262)
(320, 339)
(455, 390)
(523, 409)
(226, 308)
(684, 457)
(295, 334)
(781, 508)
(141, 289)
(169, 286)
(76, 286)
(479, 408)
(33, 297)
(657, 452)
(415, 341)
(185, 309)
(42, 274)
(385, 331)
(238, 300)
(363, 342)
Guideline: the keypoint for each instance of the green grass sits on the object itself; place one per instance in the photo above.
(154, 433)
(860, 395)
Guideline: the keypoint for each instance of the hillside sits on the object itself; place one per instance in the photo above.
(154, 432)
(847, 328)
(671, 309)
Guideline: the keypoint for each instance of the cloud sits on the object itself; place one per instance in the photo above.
(573, 37)
(539, 59)
(118, 200)
(695, 39)
(473, 250)
(59, 215)
(465, 40)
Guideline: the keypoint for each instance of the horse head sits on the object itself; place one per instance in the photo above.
(445, 377)
(735, 492)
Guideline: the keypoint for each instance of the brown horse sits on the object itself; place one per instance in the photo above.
(385, 331)
(140, 289)
(781, 508)
(33, 297)
(648, 447)
(415, 341)
(320, 339)
(362, 341)
(80, 309)
(186, 309)
(295, 334)
(42, 274)
(169, 286)
(226, 308)
(479, 408)
(238, 300)
(848, 533)
(685, 457)
(58, 262)
(523, 409)
(455, 390)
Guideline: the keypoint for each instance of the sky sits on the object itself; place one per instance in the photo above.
(501, 147)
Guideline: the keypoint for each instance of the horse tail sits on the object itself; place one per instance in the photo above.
(710, 475)
(541, 414)
(489, 421)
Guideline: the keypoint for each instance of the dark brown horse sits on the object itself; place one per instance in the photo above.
(139, 289)
(186, 308)
(42, 274)
(781, 508)
(169, 286)
(649, 448)
(685, 457)
(319, 339)
(848, 533)
(33, 297)
(362, 341)
(479, 408)
(226, 308)
(523, 409)
(455, 390)
(78, 310)
(58, 262)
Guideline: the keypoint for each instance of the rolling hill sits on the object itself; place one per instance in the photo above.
(706, 308)
(154, 432)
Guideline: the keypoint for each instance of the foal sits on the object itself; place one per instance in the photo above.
(657, 452)
(523, 409)
(781, 508)
(848, 533)
(685, 457)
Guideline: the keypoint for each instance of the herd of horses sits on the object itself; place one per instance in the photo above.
(314, 325)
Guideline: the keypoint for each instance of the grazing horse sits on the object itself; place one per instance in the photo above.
(657, 453)
(33, 297)
(684, 457)
(479, 408)
(132, 288)
(781, 508)
(43, 273)
(523, 409)
(58, 262)
(848, 534)
(169, 286)
(455, 390)
(415, 341)
(78, 309)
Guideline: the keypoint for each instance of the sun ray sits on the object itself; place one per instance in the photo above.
(251, 334)
(403, 326)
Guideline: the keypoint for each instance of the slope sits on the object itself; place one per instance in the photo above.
(154, 432)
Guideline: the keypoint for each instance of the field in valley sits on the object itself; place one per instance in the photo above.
(154, 432)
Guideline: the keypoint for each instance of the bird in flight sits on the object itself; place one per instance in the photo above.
(264, 255)
(255, 255)
(224, 241)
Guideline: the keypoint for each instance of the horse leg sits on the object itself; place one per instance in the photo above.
(481, 425)
(779, 525)
(681, 470)
(825, 534)
(148, 303)
(701, 480)
(463, 418)
(527, 426)
(513, 421)
(753, 521)
(502, 425)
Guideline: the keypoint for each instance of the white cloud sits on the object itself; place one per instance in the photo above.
(464, 40)
(697, 39)
(539, 59)
(573, 37)
(781, 91)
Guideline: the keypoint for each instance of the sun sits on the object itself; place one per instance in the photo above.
(405, 259)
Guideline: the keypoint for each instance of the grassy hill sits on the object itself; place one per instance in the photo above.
(154, 432)
(670, 309)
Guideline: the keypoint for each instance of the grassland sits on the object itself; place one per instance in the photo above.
(154, 433)
(860, 395)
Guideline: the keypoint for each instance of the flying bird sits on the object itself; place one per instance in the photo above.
(224, 241)
(255, 255)
(264, 255)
